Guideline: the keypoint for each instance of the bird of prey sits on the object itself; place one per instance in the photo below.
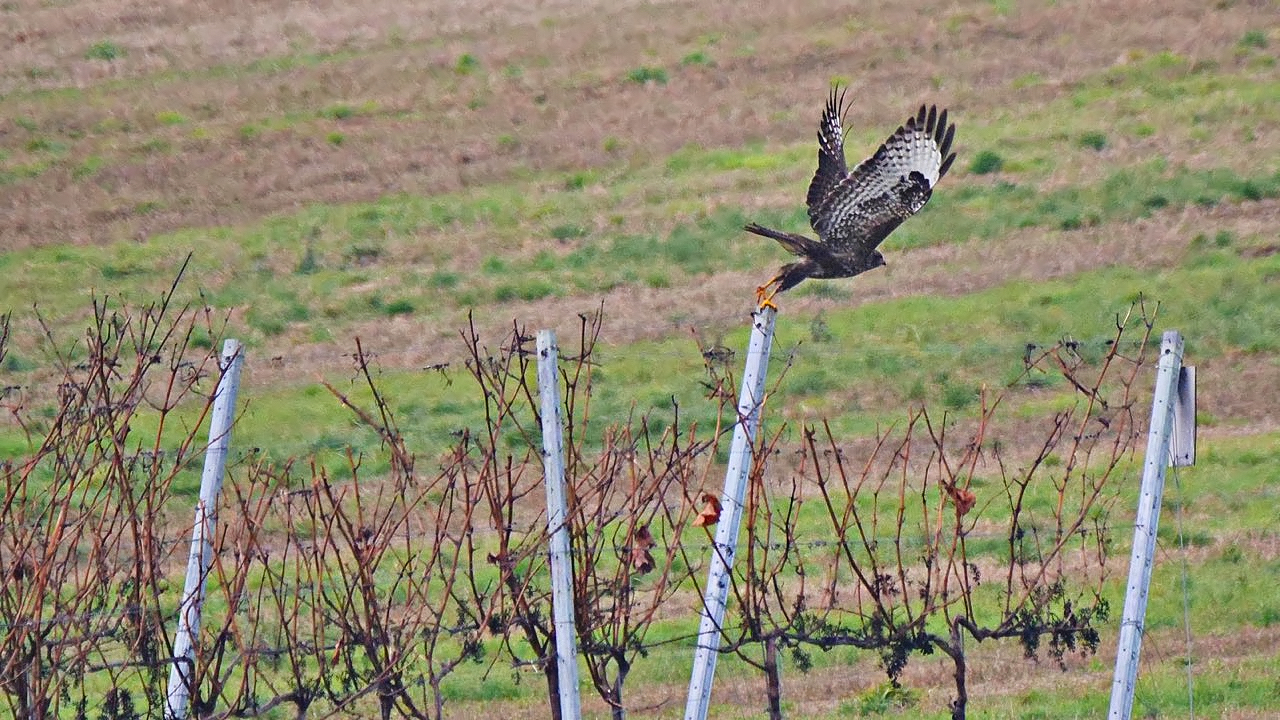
(853, 211)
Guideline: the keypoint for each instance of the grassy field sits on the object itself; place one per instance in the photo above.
(380, 171)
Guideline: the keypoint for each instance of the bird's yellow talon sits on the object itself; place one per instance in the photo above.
(764, 298)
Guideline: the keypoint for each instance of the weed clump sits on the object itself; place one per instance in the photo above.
(697, 57)
(1254, 39)
(104, 50)
(466, 64)
(986, 162)
(1093, 140)
(646, 74)
(338, 112)
(567, 232)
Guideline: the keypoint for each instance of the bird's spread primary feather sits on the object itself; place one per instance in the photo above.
(853, 211)
(865, 204)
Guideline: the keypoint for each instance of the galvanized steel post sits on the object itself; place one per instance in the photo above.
(182, 673)
(725, 546)
(1145, 526)
(558, 525)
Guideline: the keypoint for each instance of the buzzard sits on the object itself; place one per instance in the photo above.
(853, 211)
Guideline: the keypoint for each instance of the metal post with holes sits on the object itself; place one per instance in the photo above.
(725, 545)
(182, 673)
(558, 525)
(1167, 443)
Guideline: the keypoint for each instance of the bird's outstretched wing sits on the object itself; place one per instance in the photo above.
(859, 211)
(831, 167)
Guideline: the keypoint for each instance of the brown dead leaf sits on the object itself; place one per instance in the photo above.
(641, 542)
(710, 512)
(963, 499)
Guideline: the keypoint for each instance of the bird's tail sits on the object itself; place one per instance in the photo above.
(795, 244)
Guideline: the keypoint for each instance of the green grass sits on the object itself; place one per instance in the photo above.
(354, 237)
(1224, 304)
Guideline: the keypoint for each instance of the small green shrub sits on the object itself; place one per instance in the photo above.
(819, 331)
(398, 307)
(697, 57)
(986, 162)
(1094, 140)
(568, 232)
(155, 146)
(309, 263)
(338, 112)
(812, 382)
(888, 697)
(104, 50)
(1250, 190)
(545, 261)
(41, 144)
(1254, 39)
(958, 397)
(268, 325)
(528, 291)
(646, 74)
(657, 280)
(335, 138)
(466, 64)
(88, 167)
(13, 362)
(443, 279)
(536, 289)
(1155, 201)
(1269, 616)
(169, 117)
(361, 255)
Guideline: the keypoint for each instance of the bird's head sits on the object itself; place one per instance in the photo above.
(877, 260)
